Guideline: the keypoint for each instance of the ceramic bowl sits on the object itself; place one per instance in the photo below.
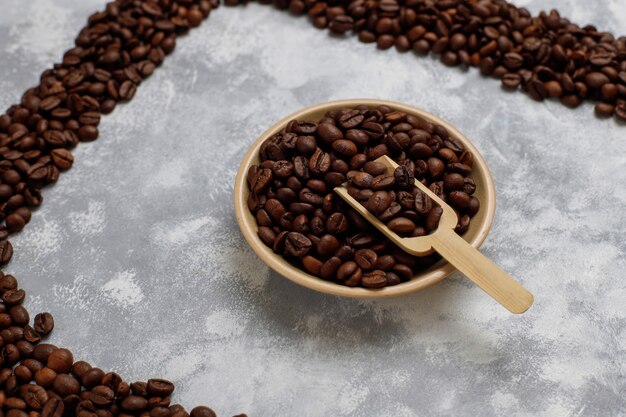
(475, 235)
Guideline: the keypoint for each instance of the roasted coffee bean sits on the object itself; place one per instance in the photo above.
(337, 223)
(453, 181)
(379, 202)
(19, 315)
(374, 168)
(329, 269)
(275, 209)
(282, 169)
(382, 182)
(401, 225)
(297, 244)
(361, 180)
(6, 252)
(62, 158)
(65, 385)
(13, 297)
(329, 133)
(101, 396)
(463, 224)
(473, 207)
(393, 279)
(374, 279)
(459, 199)
(202, 412)
(351, 119)
(320, 162)
(432, 220)
(312, 265)
(469, 186)
(346, 270)
(385, 262)
(54, 407)
(435, 167)
(267, 235)
(327, 245)
(423, 203)
(60, 360)
(261, 181)
(365, 258)
(134, 403)
(306, 144)
(344, 147)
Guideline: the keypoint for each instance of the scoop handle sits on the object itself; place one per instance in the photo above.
(482, 272)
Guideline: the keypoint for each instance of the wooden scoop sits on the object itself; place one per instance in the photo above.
(478, 268)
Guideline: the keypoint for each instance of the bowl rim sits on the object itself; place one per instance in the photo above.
(431, 276)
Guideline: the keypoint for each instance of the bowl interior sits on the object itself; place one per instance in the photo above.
(475, 235)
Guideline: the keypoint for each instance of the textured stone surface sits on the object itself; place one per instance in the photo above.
(137, 254)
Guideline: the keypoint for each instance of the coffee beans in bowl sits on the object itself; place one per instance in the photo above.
(291, 216)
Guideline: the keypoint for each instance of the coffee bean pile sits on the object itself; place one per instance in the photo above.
(114, 53)
(409, 212)
(118, 48)
(545, 56)
(42, 380)
(300, 216)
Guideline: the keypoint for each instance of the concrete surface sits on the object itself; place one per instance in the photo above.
(137, 254)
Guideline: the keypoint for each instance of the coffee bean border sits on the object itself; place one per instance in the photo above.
(545, 56)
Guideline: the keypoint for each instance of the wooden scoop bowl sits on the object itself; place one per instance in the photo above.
(473, 264)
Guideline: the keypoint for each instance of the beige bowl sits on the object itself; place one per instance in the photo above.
(479, 227)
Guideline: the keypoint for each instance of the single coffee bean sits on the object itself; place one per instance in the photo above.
(379, 202)
(320, 162)
(423, 203)
(435, 167)
(297, 244)
(337, 223)
(54, 407)
(65, 385)
(267, 235)
(365, 258)
(60, 361)
(374, 168)
(345, 147)
(432, 220)
(459, 199)
(306, 144)
(362, 180)
(134, 403)
(329, 269)
(261, 181)
(329, 133)
(453, 181)
(351, 119)
(101, 396)
(312, 265)
(401, 225)
(328, 245)
(202, 412)
(474, 206)
(463, 224)
(596, 79)
(62, 158)
(374, 279)
(6, 252)
(383, 182)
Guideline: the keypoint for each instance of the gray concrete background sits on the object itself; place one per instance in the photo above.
(137, 254)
